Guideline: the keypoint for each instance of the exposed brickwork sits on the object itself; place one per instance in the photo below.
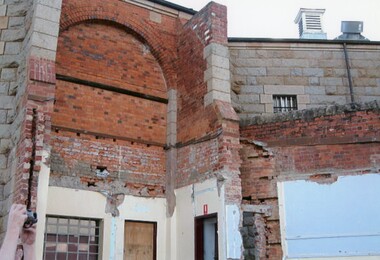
(210, 24)
(133, 168)
(160, 37)
(42, 70)
(29, 154)
(100, 111)
(197, 162)
(309, 146)
(194, 119)
(105, 53)
(335, 124)
(105, 47)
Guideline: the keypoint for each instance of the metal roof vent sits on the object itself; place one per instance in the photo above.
(352, 31)
(310, 23)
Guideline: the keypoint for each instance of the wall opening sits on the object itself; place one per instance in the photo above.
(206, 237)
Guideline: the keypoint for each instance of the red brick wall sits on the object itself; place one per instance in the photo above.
(134, 168)
(35, 120)
(106, 54)
(115, 44)
(161, 37)
(348, 127)
(207, 26)
(196, 162)
(317, 148)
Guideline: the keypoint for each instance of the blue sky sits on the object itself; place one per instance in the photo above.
(275, 18)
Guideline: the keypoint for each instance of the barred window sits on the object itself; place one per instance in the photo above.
(284, 103)
(71, 238)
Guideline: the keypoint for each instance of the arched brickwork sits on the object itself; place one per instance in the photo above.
(114, 11)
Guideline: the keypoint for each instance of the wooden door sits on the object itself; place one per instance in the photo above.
(139, 240)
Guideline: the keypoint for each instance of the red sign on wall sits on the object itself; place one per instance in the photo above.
(205, 209)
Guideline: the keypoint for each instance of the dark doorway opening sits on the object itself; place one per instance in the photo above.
(206, 237)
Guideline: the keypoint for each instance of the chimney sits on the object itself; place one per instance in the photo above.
(352, 31)
(310, 23)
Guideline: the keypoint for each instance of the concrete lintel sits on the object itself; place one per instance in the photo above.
(261, 209)
(284, 89)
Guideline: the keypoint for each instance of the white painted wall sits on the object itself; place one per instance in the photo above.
(175, 235)
(190, 204)
(80, 203)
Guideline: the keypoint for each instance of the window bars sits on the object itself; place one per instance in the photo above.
(284, 103)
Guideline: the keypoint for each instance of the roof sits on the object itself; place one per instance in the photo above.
(297, 40)
(174, 6)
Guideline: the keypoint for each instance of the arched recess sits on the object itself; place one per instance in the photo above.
(118, 130)
(165, 56)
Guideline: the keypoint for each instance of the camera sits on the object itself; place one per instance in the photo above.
(31, 218)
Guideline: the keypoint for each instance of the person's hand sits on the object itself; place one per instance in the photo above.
(19, 254)
(28, 236)
(17, 217)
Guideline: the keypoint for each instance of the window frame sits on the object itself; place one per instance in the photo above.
(290, 103)
(67, 240)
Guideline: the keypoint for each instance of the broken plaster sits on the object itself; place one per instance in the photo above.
(113, 202)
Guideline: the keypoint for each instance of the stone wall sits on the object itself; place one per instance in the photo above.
(315, 72)
(15, 16)
(27, 45)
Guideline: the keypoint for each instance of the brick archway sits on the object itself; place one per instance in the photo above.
(72, 15)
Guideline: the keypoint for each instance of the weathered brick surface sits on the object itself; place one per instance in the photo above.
(196, 162)
(117, 58)
(115, 45)
(105, 53)
(195, 120)
(317, 145)
(134, 168)
(159, 37)
(100, 111)
(352, 123)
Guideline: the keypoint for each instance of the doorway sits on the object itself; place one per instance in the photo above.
(140, 240)
(206, 237)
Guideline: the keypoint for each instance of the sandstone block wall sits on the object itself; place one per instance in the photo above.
(14, 18)
(315, 72)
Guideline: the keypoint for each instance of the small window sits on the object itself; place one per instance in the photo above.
(284, 103)
(71, 238)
